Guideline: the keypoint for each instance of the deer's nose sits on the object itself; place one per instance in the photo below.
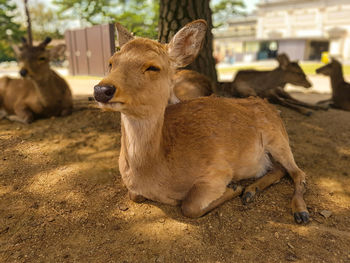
(23, 72)
(103, 93)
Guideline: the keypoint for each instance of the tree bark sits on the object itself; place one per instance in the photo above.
(174, 14)
(29, 24)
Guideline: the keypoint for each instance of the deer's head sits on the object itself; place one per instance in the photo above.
(139, 81)
(34, 61)
(329, 68)
(294, 74)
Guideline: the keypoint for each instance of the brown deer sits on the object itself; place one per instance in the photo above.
(340, 89)
(189, 84)
(267, 84)
(41, 93)
(189, 153)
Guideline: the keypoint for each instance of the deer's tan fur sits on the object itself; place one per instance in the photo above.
(42, 93)
(189, 84)
(188, 153)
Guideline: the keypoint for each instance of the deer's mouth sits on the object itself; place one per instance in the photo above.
(113, 105)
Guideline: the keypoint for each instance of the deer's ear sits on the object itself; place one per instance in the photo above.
(283, 60)
(17, 50)
(123, 35)
(57, 51)
(186, 44)
(46, 41)
(334, 59)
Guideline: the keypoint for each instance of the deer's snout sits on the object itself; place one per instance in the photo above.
(104, 93)
(23, 72)
(308, 84)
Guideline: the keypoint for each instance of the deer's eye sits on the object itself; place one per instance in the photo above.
(42, 58)
(153, 68)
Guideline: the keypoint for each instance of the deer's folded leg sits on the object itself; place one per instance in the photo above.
(203, 198)
(23, 115)
(270, 178)
(3, 114)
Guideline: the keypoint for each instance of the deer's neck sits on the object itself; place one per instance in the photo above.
(337, 78)
(141, 139)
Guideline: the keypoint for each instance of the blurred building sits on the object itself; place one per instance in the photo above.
(302, 28)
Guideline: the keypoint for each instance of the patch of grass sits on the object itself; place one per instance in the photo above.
(309, 68)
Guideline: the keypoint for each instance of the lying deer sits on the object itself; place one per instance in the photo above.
(265, 84)
(340, 89)
(269, 84)
(41, 93)
(189, 84)
(189, 153)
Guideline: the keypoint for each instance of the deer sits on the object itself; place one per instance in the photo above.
(189, 84)
(270, 84)
(41, 92)
(267, 84)
(192, 153)
(340, 89)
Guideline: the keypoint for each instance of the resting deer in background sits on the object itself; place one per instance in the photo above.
(340, 89)
(41, 93)
(267, 84)
(189, 84)
(189, 153)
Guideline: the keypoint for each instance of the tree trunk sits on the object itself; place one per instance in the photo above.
(174, 14)
(29, 24)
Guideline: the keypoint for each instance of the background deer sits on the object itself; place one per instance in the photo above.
(265, 84)
(269, 84)
(189, 84)
(41, 93)
(340, 89)
(188, 153)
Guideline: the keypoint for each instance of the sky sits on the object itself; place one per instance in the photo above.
(250, 4)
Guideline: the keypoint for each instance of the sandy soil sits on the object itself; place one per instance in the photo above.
(62, 199)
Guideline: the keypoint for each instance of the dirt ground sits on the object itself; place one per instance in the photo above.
(62, 199)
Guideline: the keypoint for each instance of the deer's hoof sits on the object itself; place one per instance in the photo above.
(301, 217)
(247, 197)
(308, 113)
(233, 186)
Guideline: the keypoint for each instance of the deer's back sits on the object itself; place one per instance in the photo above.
(247, 75)
(189, 84)
(258, 80)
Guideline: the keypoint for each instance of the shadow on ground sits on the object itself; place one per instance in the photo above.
(62, 199)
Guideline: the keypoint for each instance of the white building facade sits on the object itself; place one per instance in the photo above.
(302, 28)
